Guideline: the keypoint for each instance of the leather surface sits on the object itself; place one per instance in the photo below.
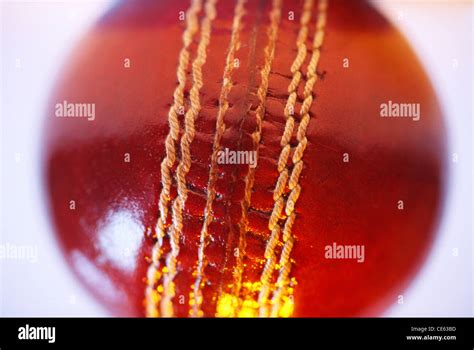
(107, 239)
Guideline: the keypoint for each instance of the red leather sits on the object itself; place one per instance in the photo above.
(108, 236)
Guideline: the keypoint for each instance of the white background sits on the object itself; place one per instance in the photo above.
(36, 36)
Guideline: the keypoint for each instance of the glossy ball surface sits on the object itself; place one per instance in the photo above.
(368, 181)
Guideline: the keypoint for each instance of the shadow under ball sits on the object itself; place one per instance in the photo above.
(368, 181)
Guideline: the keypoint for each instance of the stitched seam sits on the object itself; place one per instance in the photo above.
(272, 33)
(280, 186)
(283, 280)
(153, 274)
(242, 110)
(196, 293)
(182, 170)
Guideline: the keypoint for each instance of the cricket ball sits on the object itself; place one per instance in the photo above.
(244, 158)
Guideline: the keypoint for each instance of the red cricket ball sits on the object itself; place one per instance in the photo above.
(244, 158)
